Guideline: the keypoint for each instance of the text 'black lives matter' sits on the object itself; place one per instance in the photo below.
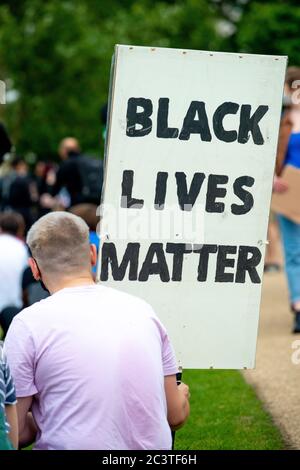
(167, 262)
(195, 121)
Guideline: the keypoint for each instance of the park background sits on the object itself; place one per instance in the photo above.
(55, 55)
(55, 61)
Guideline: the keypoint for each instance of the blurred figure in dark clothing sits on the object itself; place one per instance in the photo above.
(45, 179)
(40, 176)
(45, 176)
(5, 147)
(19, 193)
(5, 143)
(78, 174)
(68, 176)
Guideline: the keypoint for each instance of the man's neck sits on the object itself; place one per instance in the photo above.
(84, 280)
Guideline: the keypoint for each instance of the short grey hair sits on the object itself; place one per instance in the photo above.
(59, 241)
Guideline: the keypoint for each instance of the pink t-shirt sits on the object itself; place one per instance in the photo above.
(94, 359)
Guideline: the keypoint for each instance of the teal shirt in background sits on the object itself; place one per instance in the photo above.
(94, 240)
(5, 443)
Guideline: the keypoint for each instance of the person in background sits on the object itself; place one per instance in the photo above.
(5, 143)
(79, 178)
(45, 176)
(45, 179)
(99, 371)
(13, 262)
(88, 212)
(68, 178)
(289, 154)
(21, 194)
(273, 251)
(8, 409)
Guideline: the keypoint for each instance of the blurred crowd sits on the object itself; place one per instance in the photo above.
(26, 194)
(284, 226)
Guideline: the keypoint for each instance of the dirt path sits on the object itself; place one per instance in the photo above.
(276, 379)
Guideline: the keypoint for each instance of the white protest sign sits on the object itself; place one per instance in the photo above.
(189, 166)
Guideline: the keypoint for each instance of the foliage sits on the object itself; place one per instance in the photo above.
(271, 28)
(55, 55)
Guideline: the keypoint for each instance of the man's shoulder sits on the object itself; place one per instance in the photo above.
(125, 299)
(30, 313)
(133, 307)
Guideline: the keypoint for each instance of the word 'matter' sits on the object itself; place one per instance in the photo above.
(243, 259)
(140, 121)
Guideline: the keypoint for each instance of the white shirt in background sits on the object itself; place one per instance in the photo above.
(13, 261)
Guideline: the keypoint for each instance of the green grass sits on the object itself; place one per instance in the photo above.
(225, 414)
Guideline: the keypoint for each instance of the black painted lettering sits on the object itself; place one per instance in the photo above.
(204, 251)
(127, 201)
(160, 190)
(220, 113)
(191, 125)
(186, 199)
(249, 124)
(249, 265)
(163, 129)
(243, 195)
(178, 250)
(224, 262)
(141, 118)
(214, 192)
(150, 267)
(109, 257)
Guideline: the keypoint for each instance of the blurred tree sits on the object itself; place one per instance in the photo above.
(271, 27)
(50, 58)
(182, 24)
(55, 55)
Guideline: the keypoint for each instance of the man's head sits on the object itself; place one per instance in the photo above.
(67, 147)
(61, 253)
(12, 223)
(20, 166)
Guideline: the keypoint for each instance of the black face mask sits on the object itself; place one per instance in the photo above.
(40, 280)
(43, 285)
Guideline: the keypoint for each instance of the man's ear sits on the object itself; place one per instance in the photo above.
(93, 252)
(34, 269)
